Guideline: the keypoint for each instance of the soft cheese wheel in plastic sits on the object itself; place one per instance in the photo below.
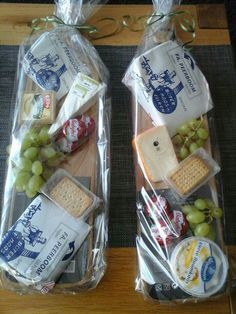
(199, 266)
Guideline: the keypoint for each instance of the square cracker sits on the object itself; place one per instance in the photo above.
(70, 197)
(190, 174)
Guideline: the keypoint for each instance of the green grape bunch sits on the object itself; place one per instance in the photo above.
(200, 216)
(190, 136)
(37, 161)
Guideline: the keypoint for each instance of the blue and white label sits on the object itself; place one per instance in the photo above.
(46, 70)
(186, 70)
(208, 269)
(41, 243)
(164, 98)
(51, 63)
(168, 84)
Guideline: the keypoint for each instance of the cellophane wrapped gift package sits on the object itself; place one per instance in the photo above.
(55, 207)
(180, 247)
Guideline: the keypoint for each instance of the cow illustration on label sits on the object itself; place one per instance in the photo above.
(33, 235)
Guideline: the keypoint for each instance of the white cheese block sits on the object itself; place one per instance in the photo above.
(156, 153)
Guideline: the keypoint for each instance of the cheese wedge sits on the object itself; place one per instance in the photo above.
(156, 152)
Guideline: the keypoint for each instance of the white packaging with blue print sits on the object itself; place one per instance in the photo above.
(52, 64)
(35, 250)
(169, 85)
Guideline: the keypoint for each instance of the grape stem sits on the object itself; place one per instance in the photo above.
(209, 219)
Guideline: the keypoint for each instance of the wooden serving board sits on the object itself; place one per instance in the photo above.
(142, 122)
(81, 163)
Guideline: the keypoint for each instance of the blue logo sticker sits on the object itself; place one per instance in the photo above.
(49, 79)
(12, 246)
(208, 269)
(164, 98)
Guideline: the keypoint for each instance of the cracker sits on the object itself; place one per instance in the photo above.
(70, 197)
(190, 174)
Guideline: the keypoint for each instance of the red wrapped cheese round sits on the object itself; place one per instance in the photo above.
(74, 133)
(170, 228)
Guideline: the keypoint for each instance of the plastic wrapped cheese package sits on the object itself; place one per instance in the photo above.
(55, 205)
(181, 252)
(36, 251)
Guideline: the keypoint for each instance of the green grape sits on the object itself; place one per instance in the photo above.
(33, 135)
(177, 140)
(48, 152)
(193, 123)
(184, 152)
(186, 209)
(37, 167)
(43, 135)
(47, 173)
(202, 133)
(25, 164)
(31, 153)
(26, 143)
(22, 178)
(200, 142)
(30, 194)
(195, 217)
(216, 212)
(34, 183)
(211, 234)
(210, 203)
(193, 147)
(53, 162)
(202, 229)
(200, 204)
(183, 129)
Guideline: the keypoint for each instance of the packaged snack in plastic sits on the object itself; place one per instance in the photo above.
(181, 252)
(56, 197)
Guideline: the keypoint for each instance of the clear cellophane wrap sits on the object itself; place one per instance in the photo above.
(54, 224)
(180, 246)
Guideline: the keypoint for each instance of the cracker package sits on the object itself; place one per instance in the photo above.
(53, 231)
(181, 252)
